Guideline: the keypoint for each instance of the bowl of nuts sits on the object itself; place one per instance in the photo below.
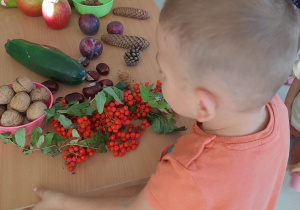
(22, 105)
(99, 8)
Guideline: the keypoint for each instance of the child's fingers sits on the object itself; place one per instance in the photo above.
(39, 191)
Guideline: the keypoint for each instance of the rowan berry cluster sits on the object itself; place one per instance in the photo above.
(115, 119)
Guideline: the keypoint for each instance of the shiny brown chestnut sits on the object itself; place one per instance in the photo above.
(103, 69)
(106, 83)
(74, 97)
(91, 90)
(51, 85)
(84, 61)
(92, 76)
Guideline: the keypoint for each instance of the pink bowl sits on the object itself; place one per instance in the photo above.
(29, 126)
(295, 181)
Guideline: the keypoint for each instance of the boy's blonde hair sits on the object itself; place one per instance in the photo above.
(249, 44)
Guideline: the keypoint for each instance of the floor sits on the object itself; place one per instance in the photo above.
(289, 199)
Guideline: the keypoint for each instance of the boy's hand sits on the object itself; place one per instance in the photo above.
(49, 199)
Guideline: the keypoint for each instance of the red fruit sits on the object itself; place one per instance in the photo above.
(115, 27)
(56, 13)
(89, 24)
(31, 8)
(90, 48)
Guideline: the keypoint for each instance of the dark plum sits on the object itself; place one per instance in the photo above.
(90, 48)
(91, 90)
(89, 24)
(115, 27)
(74, 97)
(103, 69)
(51, 85)
(106, 83)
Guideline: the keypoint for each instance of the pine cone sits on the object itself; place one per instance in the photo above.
(132, 13)
(132, 57)
(125, 41)
(126, 77)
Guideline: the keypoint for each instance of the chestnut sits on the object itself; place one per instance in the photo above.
(51, 85)
(103, 69)
(74, 97)
(84, 61)
(91, 90)
(92, 76)
(106, 83)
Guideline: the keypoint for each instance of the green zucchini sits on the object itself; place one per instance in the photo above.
(46, 61)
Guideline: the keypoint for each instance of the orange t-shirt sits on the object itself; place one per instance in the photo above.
(203, 171)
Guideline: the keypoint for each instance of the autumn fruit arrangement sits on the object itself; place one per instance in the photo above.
(113, 121)
(22, 102)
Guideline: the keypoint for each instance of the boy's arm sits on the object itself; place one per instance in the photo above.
(56, 200)
(292, 93)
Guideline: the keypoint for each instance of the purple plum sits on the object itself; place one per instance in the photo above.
(90, 48)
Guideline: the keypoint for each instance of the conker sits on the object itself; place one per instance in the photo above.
(74, 97)
(84, 61)
(92, 76)
(51, 85)
(103, 69)
(106, 83)
(91, 90)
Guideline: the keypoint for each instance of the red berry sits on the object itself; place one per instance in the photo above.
(71, 169)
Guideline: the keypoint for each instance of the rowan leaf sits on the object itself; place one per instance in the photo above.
(20, 137)
(100, 99)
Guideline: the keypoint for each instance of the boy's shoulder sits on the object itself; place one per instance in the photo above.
(190, 147)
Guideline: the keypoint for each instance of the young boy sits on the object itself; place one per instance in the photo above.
(222, 63)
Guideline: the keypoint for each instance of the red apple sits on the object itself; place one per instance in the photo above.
(57, 13)
(30, 7)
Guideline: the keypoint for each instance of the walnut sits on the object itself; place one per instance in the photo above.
(23, 84)
(20, 102)
(2, 109)
(6, 94)
(35, 110)
(39, 94)
(11, 118)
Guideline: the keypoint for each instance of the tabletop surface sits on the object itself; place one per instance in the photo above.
(20, 173)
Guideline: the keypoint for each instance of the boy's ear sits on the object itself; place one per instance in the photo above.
(206, 105)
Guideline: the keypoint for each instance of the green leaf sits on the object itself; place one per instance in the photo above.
(4, 136)
(6, 141)
(102, 148)
(63, 120)
(164, 111)
(153, 104)
(115, 93)
(76, 135)
(145, 92)
(49, 151)
(83, 143)
(157, 125)
(77, 109)
(27, 150)
(121, 85)
(56, 139)
(49, 138)
(40, 141)
(49, 113)
(100, 101)
(57, 106)
(90, 110)
(35, 135)
(20, 137)
(183, 128)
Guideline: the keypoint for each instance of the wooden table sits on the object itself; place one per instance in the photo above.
(103, 172)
